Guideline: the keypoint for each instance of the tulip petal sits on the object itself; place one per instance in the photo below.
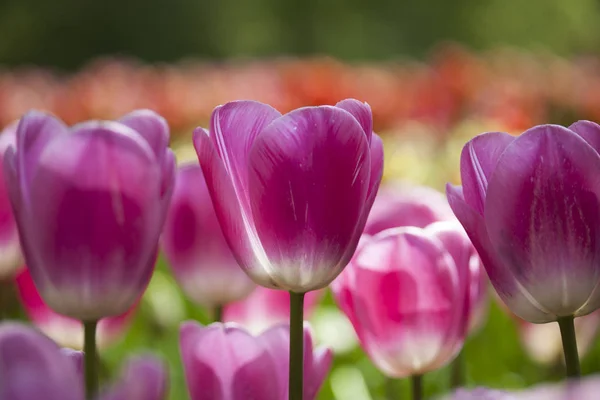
(589, 131)
(234, 127)
(308, 178)
(543, 216)
(34, 132)
(98, 199)
(237, 228)
(33, 367)
(510, 291)
(477, 162)
(362, 112)
(152, 127)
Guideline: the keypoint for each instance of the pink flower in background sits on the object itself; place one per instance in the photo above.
(404, 204)
(90, 202)
(265, 308)
(225, 362)
(10, 250)
(292, 192)
(406, 299)
(530, 205)
(194, 245)
(65, 331)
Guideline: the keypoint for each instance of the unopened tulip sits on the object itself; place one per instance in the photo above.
(32, 367)
(248, 367)
(90, 202)
(65, 331)
(195, 247)
(530, 205)
(143, 378)
(406, 300)
(543, 344)
(10, 250)
(265, 308)
(292, 192)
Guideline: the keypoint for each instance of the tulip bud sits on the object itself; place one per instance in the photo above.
(90, 202)
(292, 192)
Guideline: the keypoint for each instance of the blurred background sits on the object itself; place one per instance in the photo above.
(435, 73)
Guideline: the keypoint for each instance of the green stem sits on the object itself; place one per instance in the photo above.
(90, 359)
(569, 342)
(416, 382)
(391, 391)
(218, 313)
(296, 346)
(457, 371)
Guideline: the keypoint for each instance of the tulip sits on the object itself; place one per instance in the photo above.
(248, 367)
(265, 308)
(10, 250)
(90, 203)
(530, 206)
(481, 393)
(407, 301)
(33, 367)
(194, 245)
(65, 331)
(542, 342)
(404, 204)
(292, 194)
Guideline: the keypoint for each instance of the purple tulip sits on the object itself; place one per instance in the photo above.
(32, 367)
(481, 393)
(195, 247)
(248, 367)
(10, 250)
(531, 207)
(143, 378)
(90, 202)
(292, 192)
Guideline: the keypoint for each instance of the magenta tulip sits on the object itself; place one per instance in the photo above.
(65, 331)
(10, 250)
(292, 192)
(531, 207)
(32, 367)
(90, 203)
(265, 308)
(247, 367)
(195, 246)
(406, 299)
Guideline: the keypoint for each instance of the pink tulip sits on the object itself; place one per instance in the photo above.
(292, 192)
(195, 247)
(247, 367)
(265, 308)
(531, 207)
(406, 299)
(65, 331)
(90, 203)
(404, 204)
(10, 250)
(543, 344)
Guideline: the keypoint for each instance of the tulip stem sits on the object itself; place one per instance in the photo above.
(416, 382)
(457, 371)
(218, 317)
(296, 346)
(90, 358)
(569, 342)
